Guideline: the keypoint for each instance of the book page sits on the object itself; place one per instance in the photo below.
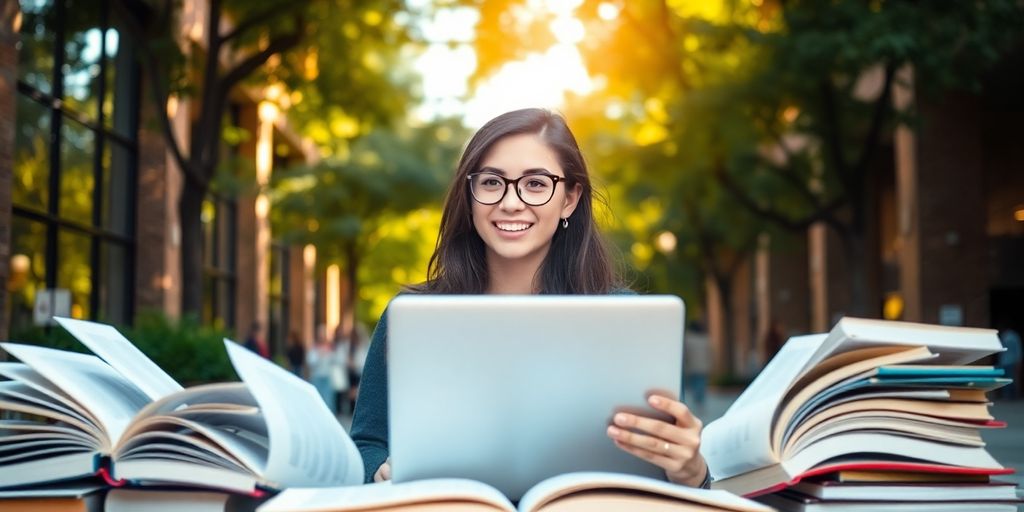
(781, 372)
(380, 496)
(741, 440)
(107, 395)
(107, 343)
(559, 486)
(308, 446)
(954, 345)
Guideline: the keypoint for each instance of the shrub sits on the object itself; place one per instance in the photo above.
(189, 352)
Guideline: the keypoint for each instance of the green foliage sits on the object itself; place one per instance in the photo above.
(189, 352)
(374, 209)
(770, 99)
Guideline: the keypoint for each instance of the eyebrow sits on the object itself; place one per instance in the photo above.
(536, 170)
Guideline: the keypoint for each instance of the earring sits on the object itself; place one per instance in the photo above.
(565, 223)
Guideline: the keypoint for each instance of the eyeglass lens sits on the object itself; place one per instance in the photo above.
(533, 189)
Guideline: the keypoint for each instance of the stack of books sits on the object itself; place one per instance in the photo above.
(875, 415)
(80, 429)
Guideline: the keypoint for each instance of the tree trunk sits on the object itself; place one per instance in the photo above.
(190, 208)
(728, 335)
(855, 249)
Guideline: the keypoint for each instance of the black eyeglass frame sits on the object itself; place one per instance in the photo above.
(515, 184)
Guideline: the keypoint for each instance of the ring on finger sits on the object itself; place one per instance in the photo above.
(665, 447)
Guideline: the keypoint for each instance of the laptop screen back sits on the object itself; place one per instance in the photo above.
(510, 390)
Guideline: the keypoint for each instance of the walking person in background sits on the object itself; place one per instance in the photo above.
(356, 360)
(320, 361)
(339, 370)
(696, 363)
(296, 353)
(256, 342)
(1009, 361)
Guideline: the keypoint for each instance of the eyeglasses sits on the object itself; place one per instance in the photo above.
(533, 189)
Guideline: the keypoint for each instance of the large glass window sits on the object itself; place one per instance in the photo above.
(74, 173)
(219, 262)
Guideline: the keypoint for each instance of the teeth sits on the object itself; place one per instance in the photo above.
(512, 226)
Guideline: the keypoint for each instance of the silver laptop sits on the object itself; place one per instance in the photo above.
(510, 390)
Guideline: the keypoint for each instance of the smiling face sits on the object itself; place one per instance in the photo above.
(513, 231)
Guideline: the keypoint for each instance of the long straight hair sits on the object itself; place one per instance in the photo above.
(576, 263)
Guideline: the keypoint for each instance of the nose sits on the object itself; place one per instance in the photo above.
(511, 201)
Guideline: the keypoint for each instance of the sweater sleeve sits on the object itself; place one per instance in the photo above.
(370, 419)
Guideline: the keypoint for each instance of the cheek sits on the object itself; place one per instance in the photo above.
(479, 212)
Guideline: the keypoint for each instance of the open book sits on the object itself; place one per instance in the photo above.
(569, 492)
(119, 416)
(871, 394)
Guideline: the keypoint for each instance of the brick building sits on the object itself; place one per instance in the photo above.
(89, 193)
(945, 238)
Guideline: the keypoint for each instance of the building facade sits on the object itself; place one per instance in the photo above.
(945, 233)
(89, 193)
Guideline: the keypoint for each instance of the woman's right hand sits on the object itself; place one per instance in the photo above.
(383, 472)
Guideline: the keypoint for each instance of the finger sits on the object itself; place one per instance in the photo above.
(655, 445)
(663, 461)
(383, 473)
(656, 428)
(678, 410)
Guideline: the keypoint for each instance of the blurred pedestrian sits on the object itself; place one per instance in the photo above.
(296, 353)
(339, 369)
(1009, 361)
(357, 358)
(696, 363)
(256, 342)
(320, 360)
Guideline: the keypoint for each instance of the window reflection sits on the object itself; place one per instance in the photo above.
(35, 64)
(76, 180)
(83, 51)
(73, 270)
(31, 154)
(117, 174)
(27, 271)
(113, 288)
(67, 49)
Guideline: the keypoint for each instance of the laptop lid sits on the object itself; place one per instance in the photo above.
(510, 390)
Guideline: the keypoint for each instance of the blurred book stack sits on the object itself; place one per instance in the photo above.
(875, 415)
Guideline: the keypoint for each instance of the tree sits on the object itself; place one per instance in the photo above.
(811, 88)
(341, 205)
(271, 42)
(786, 77)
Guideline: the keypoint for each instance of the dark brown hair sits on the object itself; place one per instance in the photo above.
(577, 262)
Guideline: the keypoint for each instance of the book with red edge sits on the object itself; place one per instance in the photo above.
(870, 394)
(792, 501)
(115, 415)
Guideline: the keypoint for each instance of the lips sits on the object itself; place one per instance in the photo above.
(513, 227)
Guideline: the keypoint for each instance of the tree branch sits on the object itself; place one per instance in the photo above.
(260, 18)
(790, 176)
(833, 134)
(824, 213)
(251, 63)
(881, 108)
(151, 66)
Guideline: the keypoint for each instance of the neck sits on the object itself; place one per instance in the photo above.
(514, 277)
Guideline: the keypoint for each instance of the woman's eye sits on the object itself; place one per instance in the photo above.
(537, 184)
(491, 182)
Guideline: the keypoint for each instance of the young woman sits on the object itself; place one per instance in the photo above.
(519, 219)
